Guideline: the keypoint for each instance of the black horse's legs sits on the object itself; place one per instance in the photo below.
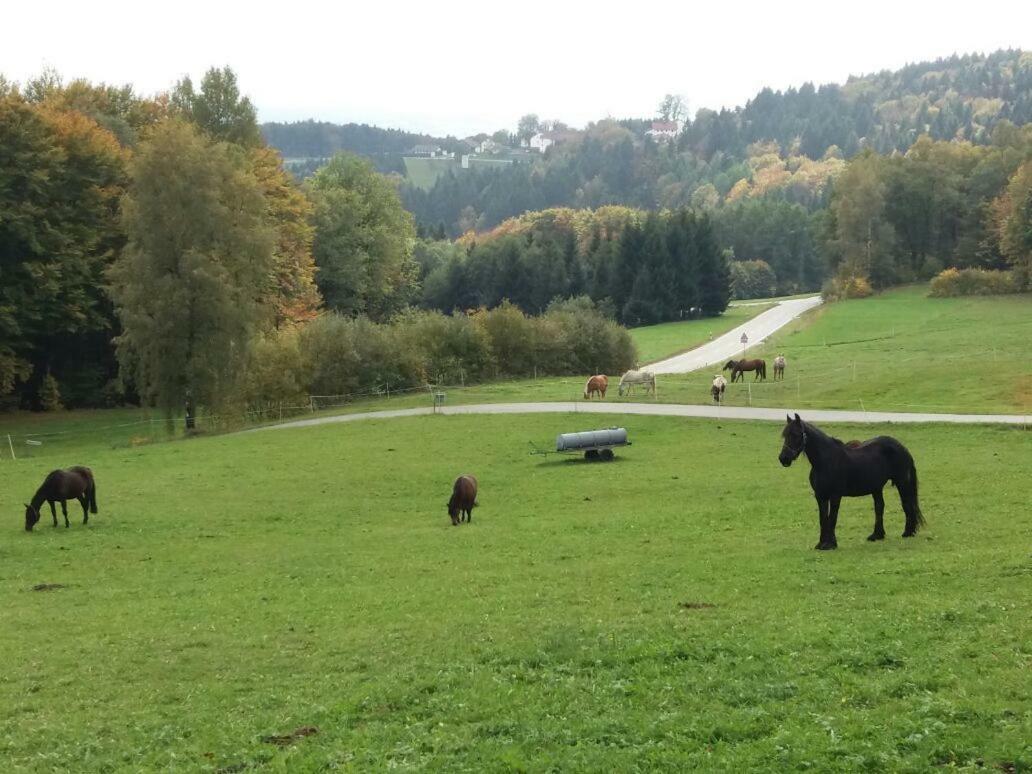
(64, 512)
(910, 509)
(879, 510)
(833, 521)
(53, 511)
(822, 514)
(85, 510)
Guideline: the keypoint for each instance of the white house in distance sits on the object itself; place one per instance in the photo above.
(664, 131)
(540, 142)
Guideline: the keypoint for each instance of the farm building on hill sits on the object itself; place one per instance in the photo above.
(429, 152)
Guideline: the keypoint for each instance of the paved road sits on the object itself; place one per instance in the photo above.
(672, 410)
(725, 347)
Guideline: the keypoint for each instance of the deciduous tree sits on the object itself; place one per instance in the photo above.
(199, 260)
(363, 240)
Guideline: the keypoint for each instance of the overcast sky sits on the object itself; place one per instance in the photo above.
(463, 67)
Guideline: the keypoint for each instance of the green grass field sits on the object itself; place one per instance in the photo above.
(664, 611)
(423, 172)
(656, 342)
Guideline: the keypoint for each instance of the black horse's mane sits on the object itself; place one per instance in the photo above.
(816, 432)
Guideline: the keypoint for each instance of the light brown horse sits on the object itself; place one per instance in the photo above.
(463, 499)
(779, 367)
(738, 368)
(597, 384)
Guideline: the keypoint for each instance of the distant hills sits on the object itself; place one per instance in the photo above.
(961, 97)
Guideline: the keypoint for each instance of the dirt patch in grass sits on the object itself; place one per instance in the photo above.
(49, 586)
(695, 605)
(282, 740)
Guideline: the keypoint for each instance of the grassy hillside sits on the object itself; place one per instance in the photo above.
(423, 172)
(904, 351)
(662, 611)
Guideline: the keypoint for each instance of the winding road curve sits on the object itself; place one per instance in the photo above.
(728, 345)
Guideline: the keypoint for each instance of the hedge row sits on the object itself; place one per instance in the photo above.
(336, 355)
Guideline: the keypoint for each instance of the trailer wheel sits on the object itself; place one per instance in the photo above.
(591, 455)
(607, 455)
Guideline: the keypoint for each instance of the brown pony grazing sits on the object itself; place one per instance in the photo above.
(739, 367)
(463, 499)
(75, 483)
(598, 383)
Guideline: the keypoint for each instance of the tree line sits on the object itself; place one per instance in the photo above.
(645, 267)
(155, 249)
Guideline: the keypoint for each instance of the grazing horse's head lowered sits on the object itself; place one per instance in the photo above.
(31, 517)
(729, 366)
(793, 440)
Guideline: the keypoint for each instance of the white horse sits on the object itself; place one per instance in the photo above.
(779, 366)
(718, 387)
(631, 378)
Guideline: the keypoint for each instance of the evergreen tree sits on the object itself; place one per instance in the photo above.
(714, 274)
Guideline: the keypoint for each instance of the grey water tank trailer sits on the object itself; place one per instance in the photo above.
(596, 444)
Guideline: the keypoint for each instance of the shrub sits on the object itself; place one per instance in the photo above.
(972, 282)
(448, 348)
(50, 394)
(513, 338)
(752, 279)
(853, 286)
(341, 355)
(277, 374)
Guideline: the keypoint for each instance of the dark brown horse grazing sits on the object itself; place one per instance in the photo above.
(738, 368)
(598, 383)
(73, 484)
(463, 499)
(853, 469)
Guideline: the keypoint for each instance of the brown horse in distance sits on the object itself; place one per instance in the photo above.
(739, 367)
(597, 384)
(463, 499)
(60, 485)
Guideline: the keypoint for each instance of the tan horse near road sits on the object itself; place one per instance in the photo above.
(779, 366)
(596, 385)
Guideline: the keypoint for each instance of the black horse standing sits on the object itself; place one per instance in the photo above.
(853, 470)
(60, 485)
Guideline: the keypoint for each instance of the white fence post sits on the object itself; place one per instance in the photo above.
(11, 444)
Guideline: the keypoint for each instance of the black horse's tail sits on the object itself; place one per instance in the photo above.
(907, 486)
(92, 494)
